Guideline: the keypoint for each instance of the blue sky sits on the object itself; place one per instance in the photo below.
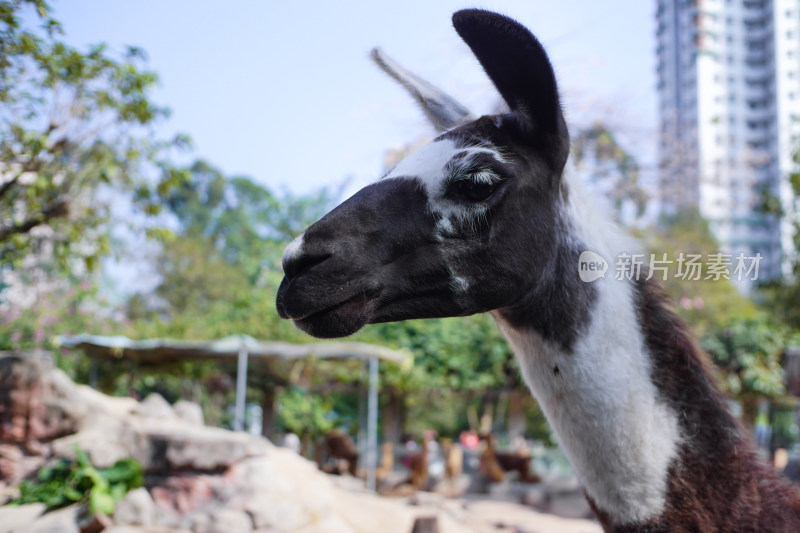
(284, 91)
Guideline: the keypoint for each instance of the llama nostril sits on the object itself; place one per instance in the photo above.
(297, 264)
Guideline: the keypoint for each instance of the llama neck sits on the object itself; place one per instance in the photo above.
(635, 409)
(604, 407)
(597, 392)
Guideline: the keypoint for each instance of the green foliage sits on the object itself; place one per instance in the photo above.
(704, 304)
(245, 222)
(747, 352)
(463, 353)
(72, 481)
(221, 270)
(306, 414)
(73, 124)
(782, 296)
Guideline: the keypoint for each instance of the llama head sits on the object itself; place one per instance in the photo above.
(469, 223)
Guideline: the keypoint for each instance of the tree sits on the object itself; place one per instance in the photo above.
(244, 221)
(73, 124)
(610, 168)
(782, 296)
(703, 303)
(747, 352)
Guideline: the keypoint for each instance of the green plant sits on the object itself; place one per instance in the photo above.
(71, 481)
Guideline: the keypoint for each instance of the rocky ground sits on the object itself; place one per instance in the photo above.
(201, 479)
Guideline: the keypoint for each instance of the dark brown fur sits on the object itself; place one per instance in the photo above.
(717, 483)
(340, 446)
(510, 462)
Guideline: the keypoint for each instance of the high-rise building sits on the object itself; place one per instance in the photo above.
(729, 91)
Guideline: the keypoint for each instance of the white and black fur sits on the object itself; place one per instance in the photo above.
(484, 219)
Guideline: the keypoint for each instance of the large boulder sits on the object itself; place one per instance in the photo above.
(36, 406)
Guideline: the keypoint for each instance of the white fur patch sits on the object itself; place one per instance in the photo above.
(429, 165)
(293, 249)
(619, 436)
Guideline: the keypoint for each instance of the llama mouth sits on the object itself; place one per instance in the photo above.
(339, 320)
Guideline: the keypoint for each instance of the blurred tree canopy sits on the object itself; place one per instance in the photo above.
(703, 303)
(783, 296)
(609, 167)
(71, 122)
(747, 352)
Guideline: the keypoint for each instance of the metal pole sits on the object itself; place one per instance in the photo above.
(241, 389)
(372, 423)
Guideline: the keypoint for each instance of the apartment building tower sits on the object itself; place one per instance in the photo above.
(729, 96)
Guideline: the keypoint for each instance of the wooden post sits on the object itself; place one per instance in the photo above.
(393, 418)
(516, 416)
(426, 524)
(268, 412)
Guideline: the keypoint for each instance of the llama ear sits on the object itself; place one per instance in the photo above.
(443, 111)
(517, 65)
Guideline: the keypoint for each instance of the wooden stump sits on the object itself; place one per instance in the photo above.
(425, 524)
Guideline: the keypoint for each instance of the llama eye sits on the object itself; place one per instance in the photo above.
(475, 191)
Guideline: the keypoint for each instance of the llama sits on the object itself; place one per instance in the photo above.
(498, 463)
(338, 444)
(484, 219)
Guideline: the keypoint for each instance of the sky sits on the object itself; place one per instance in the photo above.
(284, 91)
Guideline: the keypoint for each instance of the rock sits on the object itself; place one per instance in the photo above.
(155, 406)
(222, 521)
(209, 449)
(16, 463)
(141, 529)
(189, 412)
(93, 523)
(267, 489)
(136, 508)
(179, 494)
(19, 517)
(201, 479)
(452, 487)
(561, 497)
(60, 521)
(292, 442)
(160, 444)
(7, 493)
(33, 400)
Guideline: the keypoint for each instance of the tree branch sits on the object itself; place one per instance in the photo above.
(7, 185)
(55, 210)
